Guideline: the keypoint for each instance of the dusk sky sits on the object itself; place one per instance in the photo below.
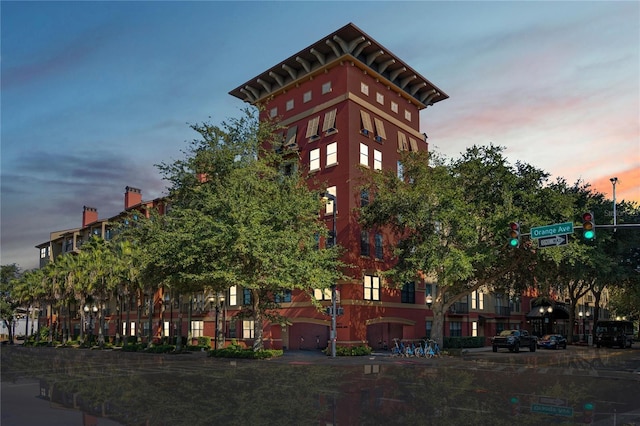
(93, 94)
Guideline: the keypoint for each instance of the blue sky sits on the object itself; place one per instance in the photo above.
(93, 94)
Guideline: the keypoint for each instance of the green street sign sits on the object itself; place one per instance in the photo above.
(552, 410)
(551, 230)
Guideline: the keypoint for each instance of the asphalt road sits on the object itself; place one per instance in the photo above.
(49, 386)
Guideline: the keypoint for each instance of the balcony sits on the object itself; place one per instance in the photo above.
(459, 308)
(503, 311)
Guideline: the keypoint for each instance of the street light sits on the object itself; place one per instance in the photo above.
(545, 314)
(614, 180)
(89, 322)
(326, 196)
(217, 302)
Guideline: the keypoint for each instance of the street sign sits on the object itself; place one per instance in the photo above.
(550, 400)
(551, 230)
(552, 410)
(555, 241)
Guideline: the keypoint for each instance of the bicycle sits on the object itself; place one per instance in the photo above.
(435, 348)
(396, 350)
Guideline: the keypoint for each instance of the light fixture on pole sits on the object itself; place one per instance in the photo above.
(614, 180)
(327, 196)
(429, 301)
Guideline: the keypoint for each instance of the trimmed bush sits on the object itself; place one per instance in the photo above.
(464, 342)
(236, 352)
(362, 350)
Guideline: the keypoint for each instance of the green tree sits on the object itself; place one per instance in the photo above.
(237, 219)
(8, 301)
(451, 218)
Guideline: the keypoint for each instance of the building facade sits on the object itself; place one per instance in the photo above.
(347, 104)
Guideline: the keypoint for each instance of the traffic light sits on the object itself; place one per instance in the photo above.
(587, 413)
(514, 234)
(515, 406)
(588, 226)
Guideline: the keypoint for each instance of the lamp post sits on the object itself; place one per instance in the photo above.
(217, 302)
(545, 314)
(326, 196)
(429, 301)
(614, 180)
(89, 320)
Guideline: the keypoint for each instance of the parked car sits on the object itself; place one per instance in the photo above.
(513, 340)
(552, 341)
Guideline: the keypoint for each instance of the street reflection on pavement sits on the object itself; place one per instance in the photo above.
(83, 387)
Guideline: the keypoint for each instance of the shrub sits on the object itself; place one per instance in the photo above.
(204, 341)
(237, 352)
(464, 342)
(133, 347)
(160, 349)
(362, 350)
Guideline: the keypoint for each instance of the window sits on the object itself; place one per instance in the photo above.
(329, 124)
(379, 251)
(400, 170)
(273, 112)
(132, 328)
(364, 88)
(371, 287)
(408, 293)
(332, 153)
(474, 328)
(428, 329)
(364, 155)
(289, 168)
(407, 115)
(306, 97)
(292, 134)
(328, 208)
(514, 304)
(377, 160)
(414, 144)
(326, 87)
(394, 107)
(247, 329)
(312, 128)
(455, 329)
(44, 253)
(364, 243)
(246, 296)
(322, 294)
(233, 295)
(380, 98)
(290, 105)
(165, 329)
(402, 142)
(366, 127)
(380, 132)
(314, 159)
(364, 198)
(283, 297)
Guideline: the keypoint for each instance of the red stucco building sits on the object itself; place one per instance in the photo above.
(347, 103)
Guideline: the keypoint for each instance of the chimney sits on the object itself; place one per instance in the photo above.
(132, 197)
(89, 215)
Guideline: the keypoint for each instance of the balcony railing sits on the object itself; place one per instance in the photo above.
(459, 308)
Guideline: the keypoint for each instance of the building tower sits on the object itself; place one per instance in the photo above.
(347, 103)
